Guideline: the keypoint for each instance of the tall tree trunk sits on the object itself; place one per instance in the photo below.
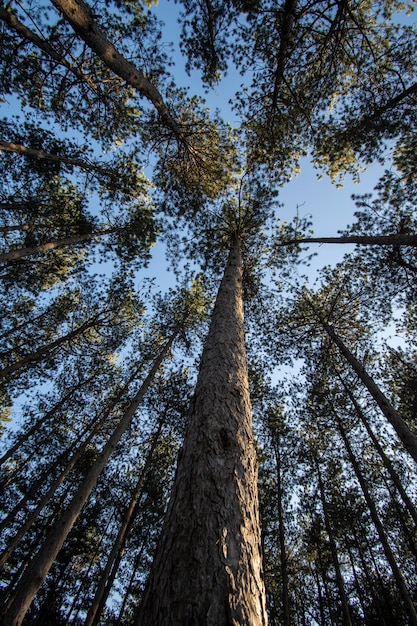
(396, 572)
(207, 570)
(21, 253)
(404, 433)
(358, 586)
(286, 618)
(109, 572)
(42, 352)
(386, 461)
(79, 14)
(333, 549)
(38, 569)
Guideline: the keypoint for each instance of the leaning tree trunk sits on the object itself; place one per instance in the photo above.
(96, 425)
(396, 572)
(22, 253)
(407, 437)
(386, 461)
(110, 570)
(38, 569)
(207, 570)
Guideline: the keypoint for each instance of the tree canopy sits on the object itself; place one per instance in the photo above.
(121, 383)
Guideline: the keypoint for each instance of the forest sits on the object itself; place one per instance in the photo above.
(234, 441)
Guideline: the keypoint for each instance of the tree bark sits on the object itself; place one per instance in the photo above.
(404, 433)
(18, 148)
(39, 567)
(21, 253)
(396, 572)
(109, 572)
(333, 549)
(397, 239)
(80, 16)
(207, 570)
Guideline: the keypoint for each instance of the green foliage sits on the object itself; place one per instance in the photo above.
(332, 80)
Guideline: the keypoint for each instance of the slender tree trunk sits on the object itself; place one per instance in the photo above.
(397, 239)
(138, 557)
(320, 596)
(41, 422)
(324, 578)
(404, 433)
(84, 587)
(38, 569)
(113, 561)
(286, 37)
(286, 618)
(21, 253)
(80, 16)
(18, 148)
(333, 548)
(207, 570)
(386, 461)
(371, 579)
(96, 426)
(397, 574)
(359, 589)
(39, 354)
(12, 21)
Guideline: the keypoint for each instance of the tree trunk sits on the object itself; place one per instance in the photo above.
(109, 572)
(207, 570)
(396, 572)
(333, 549)
(34, 513)
(39, 354)
(397, 239)
(21, 253)
(286, 618)
(386, 461)
(80, 16)
(404, 433)
(38, 569)
(18, 148)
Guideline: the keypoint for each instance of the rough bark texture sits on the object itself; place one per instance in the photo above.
(207, 570)
(80, 16)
